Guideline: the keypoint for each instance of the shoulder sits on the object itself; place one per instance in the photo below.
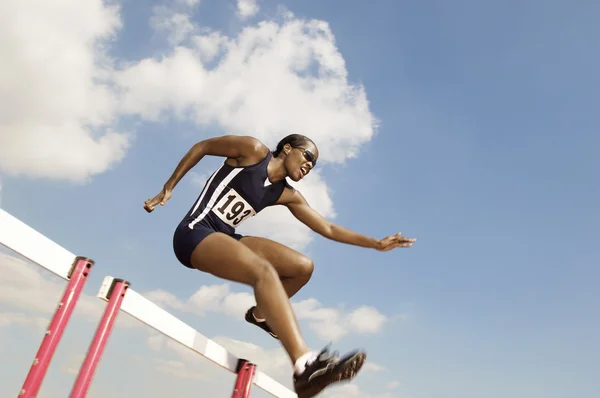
(254, 145)
(251, 150)
(289, 195)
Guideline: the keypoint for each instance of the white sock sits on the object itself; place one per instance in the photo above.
(301, 363)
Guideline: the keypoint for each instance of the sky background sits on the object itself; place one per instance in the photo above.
(472, 126)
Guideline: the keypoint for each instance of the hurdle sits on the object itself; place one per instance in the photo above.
(118, 295)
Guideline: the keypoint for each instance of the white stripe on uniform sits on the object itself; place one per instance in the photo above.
(215, 196)
(205, 189)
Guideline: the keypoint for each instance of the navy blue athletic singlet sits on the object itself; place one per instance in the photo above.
(230, 196)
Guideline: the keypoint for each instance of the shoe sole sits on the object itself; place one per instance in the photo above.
(345, 373)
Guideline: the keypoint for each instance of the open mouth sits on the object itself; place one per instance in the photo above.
(303, 171)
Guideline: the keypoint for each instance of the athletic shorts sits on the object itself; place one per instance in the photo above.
(185, 240)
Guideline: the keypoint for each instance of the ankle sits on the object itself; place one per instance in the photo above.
(302, 361)
(257, 315)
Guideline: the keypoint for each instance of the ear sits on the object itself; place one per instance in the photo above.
(287, 148)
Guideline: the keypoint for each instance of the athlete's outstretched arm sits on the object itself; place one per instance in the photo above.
(300, 208)
(241, 148)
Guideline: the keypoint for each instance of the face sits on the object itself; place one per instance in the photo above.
(300, 160)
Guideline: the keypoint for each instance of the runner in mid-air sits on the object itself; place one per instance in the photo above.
(250, 179)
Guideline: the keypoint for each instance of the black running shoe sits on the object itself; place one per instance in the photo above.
(327, 369)
(263, 325)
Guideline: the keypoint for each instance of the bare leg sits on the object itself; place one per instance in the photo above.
(294, 268)
(225, 257)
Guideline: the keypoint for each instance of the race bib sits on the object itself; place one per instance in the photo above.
(232, 209)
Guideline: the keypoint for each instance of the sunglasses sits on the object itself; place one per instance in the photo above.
(308, 155)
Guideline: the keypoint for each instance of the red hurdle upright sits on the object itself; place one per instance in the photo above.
(243, 382)
(115, 297)
(37, 372)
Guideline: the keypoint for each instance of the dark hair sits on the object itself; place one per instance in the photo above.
(295, 140)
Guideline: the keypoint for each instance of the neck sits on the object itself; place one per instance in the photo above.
(276, 170)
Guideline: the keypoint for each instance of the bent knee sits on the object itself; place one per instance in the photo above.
(305, 267)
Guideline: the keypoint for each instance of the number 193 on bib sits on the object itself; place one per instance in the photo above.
(232, 209)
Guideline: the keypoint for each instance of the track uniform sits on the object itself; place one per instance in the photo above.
(230, 196)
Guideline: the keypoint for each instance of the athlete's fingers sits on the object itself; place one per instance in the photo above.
(401, 238)
(151, 203)
(148, 208)
(394, 241)
(396, 244)
(405, 239)
(390, 246)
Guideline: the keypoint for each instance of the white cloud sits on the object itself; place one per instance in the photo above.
(176, 25)
(274, 362)
(176, 368)
(352, 390)
(17, 318)
(209, 298)
(274, 78)
(373, 367)
(58, 109)
(327, 322)
(164, 298)
(73, 364)
(247, 8)
(209, 45)
(331, 324)
(189, 2)
(218, 298)
(155, 341)
(366, 320)
(197, 179)
(26, 287)
(392, 385)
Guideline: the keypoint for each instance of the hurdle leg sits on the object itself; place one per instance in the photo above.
(243, 382)
(86, 373)
(58, 323)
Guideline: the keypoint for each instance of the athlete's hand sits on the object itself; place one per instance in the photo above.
(394, 241)
(161, 199)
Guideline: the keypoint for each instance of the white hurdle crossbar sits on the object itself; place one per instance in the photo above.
(34, 246)
(42, 251)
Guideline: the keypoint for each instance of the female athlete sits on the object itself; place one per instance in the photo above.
(250, 179)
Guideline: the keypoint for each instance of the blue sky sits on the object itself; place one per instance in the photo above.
(484, 150)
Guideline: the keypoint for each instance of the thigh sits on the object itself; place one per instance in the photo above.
(225, 257)
(287, 262)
